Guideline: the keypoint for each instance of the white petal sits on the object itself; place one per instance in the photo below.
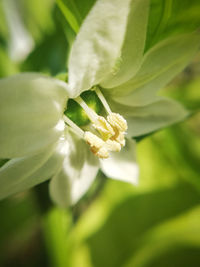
(163, 62)
(51, 167)
(16, 172)
(31, 108)
(122, 165)
(77, 174)
(149, 118)
(98, 44)
(23, 173)
(133, 46)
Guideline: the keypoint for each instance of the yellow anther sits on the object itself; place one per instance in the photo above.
(117, 121)
(93, 140)
(97, 145)
(113, 145)
(119, 137)
(102, 153)
(103, 128)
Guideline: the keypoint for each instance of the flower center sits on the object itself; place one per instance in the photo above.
(106, 134)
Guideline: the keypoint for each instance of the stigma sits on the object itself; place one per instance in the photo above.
(107, 133)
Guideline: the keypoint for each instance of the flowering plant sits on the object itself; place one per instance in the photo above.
(108, 58)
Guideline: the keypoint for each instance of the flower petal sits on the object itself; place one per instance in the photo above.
(98, 44)
(77, 174)
(122, 166)
(149, 118)
(133, 47)
(31, 108)
(163, 62)
(23, 173)
(16, 171)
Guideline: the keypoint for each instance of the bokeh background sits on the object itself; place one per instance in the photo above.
(156, 224)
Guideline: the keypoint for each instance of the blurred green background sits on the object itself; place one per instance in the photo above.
(156, 224)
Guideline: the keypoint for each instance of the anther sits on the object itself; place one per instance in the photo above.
(113, 145)
(102, 153)
(93, 140)
(97, 145)
(103, 128)
(117, 121)
(119, 137)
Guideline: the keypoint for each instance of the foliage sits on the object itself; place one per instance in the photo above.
(115, 224)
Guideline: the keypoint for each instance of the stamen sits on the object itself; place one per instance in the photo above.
(111, 130)
(117, 121)
(97, 145)
(99, 122)
(103, 100)
(93, 140)
(119, 137)
(90, 112)
(102, 153)
(78, 131)
(112, 145)
(104, 128)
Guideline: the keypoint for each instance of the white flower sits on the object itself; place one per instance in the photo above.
(107, 57)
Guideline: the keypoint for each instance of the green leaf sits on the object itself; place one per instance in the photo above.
(52, 49)
(6, 65)
(71, 19)
(126, 232)
(72, 14)
(159, 16)
(174, 243)
(75, 11)
(37, 17)
(82, 7)
(31, 108)
(160, 64)
(171, 17)
(186, 154)
(56, 228)
(18, 218)
(3, 25)
(3, 161)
